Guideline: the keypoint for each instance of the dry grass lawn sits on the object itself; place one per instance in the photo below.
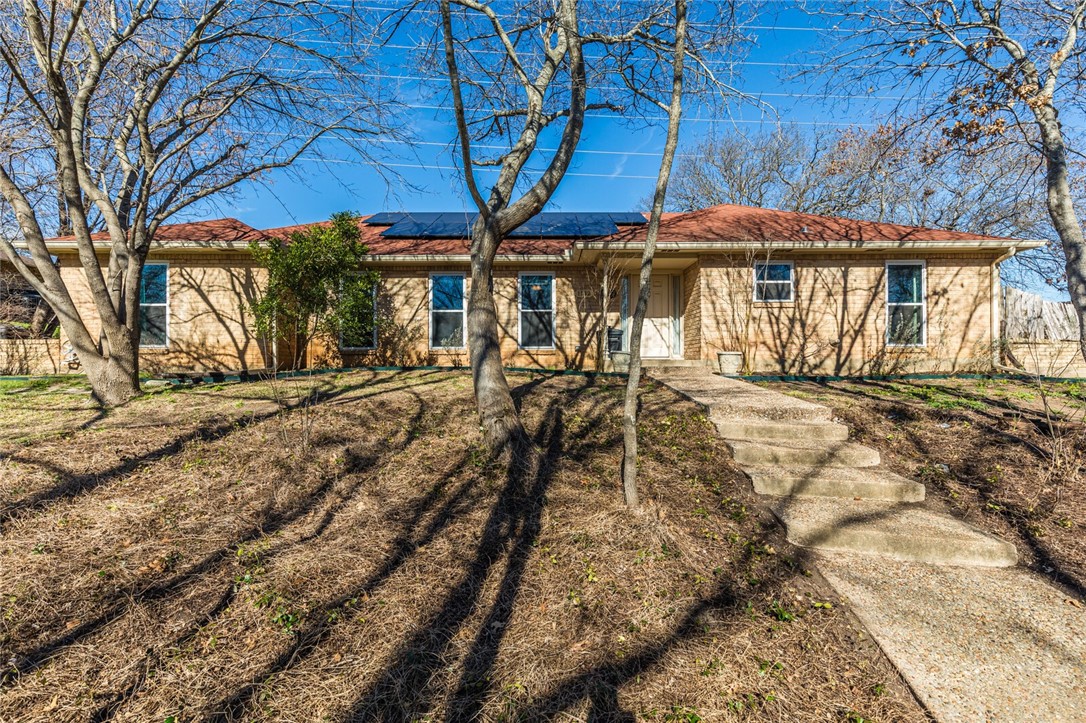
(340, 548)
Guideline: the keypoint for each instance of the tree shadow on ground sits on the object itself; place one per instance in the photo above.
(509, 533)
(70, 485)
(218, 563)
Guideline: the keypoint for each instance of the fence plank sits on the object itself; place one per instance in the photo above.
(1030, 317)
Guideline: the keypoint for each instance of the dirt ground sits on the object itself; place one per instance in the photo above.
(1007, 456)
(341, 548)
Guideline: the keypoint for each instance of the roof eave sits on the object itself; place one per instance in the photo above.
(987, 244)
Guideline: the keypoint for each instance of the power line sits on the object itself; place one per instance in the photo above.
(435, 167)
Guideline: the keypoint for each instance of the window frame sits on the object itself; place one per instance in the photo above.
(791, 282)
(431, 310)
(923, 303)
(552, 310)
(373, 346)
(166, 304)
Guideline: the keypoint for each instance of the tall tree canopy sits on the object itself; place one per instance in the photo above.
(528, 76)
(119, 115)
(988, 73)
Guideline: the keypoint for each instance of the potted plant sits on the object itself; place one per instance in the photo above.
(730, 363)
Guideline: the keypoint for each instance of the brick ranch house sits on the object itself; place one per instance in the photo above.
(792, 292)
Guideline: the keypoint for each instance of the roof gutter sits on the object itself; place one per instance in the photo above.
(844, 245)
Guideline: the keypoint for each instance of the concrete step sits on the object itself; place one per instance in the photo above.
(900, 531)
(807, 453)
(756, 429)
(726, 398)
(699, 366)
(848, 483)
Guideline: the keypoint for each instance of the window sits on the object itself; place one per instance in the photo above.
(447, 311)
(773, 281)
(906, 313)
(536, 303)
(154, 306)
(360, 333)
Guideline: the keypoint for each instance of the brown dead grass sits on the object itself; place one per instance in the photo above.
(231, 554)
(1009, 457)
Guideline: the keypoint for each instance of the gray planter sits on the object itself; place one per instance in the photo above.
(620, 360)
(730, 362)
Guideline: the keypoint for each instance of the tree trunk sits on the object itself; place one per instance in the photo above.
(498, 416)
(114, 379)
(1062, 212)
(629, 410)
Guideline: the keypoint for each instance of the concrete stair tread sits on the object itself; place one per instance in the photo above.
(870, 483)
(906, 532)
(808, 452)
(761, 428)
(726, 397)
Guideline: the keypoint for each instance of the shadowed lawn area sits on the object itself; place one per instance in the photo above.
(341, 548)
(1007, 456)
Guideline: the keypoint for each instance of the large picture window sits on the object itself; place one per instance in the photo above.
(536, 303)
(906, 312)
(447, 311)
(773, 281)
(154, 305)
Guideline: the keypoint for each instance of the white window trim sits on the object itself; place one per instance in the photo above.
(372, 346)
(554, 314)
(791, 282)
(430, 311)
(923, 302)
(167, 305)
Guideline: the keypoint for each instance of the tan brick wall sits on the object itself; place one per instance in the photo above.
(692, 318)
(210, 327)
(404, 304)
(837, 323)
(1049, 358)
(31, 357)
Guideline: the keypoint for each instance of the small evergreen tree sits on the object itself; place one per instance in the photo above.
(316, 287)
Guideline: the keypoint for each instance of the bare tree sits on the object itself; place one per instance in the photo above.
(895, 173)
(512, 77)
(120, 115)
(891, 173)
(990, 71)
(674, 115)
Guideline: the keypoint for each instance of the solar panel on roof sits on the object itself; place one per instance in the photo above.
(385, 218)
(458, 224)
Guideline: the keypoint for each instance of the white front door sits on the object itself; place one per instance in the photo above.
(656, 336)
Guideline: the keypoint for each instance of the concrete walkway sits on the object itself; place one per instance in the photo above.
(975, 637)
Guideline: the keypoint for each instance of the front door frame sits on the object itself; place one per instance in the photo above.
(673, 295)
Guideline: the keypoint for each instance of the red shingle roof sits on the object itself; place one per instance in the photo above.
(724, 223)
(747, 224)
(220, 230)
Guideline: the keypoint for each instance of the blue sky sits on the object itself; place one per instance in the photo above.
(616, 164)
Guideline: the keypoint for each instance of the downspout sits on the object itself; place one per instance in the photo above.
(997, 308)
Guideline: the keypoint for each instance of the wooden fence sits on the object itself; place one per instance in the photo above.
(1027, 316)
